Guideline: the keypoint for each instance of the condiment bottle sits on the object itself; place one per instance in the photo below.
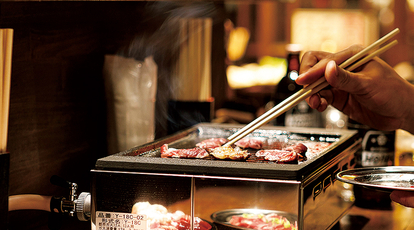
(404, 148)
(378, 150)
(301, 115)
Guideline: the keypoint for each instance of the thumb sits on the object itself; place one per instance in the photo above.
(341, 79)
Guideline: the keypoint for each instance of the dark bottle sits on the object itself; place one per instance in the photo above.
(378, 150)
(301, 115)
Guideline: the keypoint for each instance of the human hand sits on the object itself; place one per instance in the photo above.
(405, 198)
(374, 94)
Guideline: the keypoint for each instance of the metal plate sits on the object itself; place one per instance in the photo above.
(380, 178)
(146, 158)
(223, 217)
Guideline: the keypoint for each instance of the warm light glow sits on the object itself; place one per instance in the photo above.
(386, 16)
(349, 177)
(332, 30)
(334, 116)
(334, 119)
(253, 74)
(329, 46)
(238, 40)
(411, 4)
(340, 123)
(380, 3)
(293, 75)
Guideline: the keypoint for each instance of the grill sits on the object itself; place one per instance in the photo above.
(200, 187)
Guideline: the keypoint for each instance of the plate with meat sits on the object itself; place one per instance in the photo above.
(158, 218)
(258, 219)
(251, 149)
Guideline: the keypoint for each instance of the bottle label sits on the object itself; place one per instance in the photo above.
(300, 120)
(378, 148)
(377, 158)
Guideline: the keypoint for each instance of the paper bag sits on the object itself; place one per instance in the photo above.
(130, 88)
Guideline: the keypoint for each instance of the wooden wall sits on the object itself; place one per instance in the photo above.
(57, 113)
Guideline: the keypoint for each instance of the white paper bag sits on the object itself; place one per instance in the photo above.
(130, 88)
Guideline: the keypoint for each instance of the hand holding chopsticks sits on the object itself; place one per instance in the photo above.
(352, 63)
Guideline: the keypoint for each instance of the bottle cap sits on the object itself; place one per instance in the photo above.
(294, 48)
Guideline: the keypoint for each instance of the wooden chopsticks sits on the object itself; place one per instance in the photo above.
(351, 64)
(6, 44)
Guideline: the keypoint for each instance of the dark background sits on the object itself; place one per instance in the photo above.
(57, 122)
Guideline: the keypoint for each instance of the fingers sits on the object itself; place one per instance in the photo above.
(405, 198)
(314, 101)
(309, 60)
(317, 102)
(343, 80)
(338, 95)
(336, 77)
(314, 63)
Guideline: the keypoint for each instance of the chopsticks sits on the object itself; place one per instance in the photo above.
(351, 64)
(6, 46)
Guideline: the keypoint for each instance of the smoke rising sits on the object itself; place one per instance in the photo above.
(160, 38)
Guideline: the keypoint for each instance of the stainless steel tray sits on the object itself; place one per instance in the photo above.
(380, 178)
(223, 217)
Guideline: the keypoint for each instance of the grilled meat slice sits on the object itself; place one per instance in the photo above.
(211, 143)
(183, 153)
(251, 143)
(227, 152)
(280, 156)
(290, 153)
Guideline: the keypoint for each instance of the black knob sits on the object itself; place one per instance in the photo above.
(59, 181)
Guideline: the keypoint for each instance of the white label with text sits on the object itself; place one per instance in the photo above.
(120, 221)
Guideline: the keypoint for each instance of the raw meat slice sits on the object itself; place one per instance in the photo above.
(158, 218)
(263, 222)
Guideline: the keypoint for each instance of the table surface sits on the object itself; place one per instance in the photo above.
(397, 217)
